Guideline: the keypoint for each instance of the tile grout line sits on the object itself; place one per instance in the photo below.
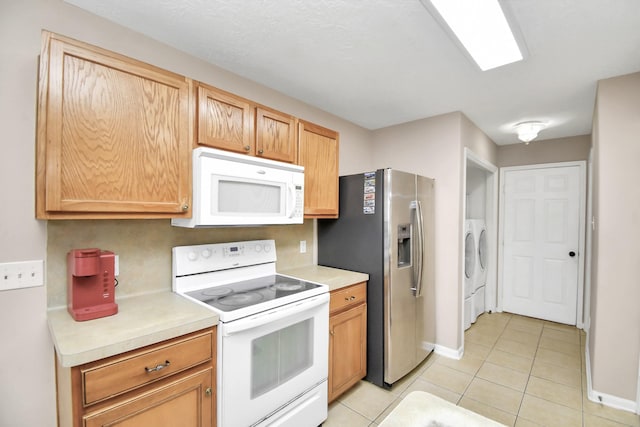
(484, 360)
(533, 361)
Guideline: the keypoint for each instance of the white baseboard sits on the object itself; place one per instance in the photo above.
(604, 398)
(448, 352)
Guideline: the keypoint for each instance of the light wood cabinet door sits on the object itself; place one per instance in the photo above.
(318, 153)
(229, 122)
(114, 135)
(347, 349)
(225, 121)
(187, 401)
(275, 135)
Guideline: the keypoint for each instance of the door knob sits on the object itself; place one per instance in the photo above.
(572, 254)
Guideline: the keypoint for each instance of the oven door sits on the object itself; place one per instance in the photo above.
(270, 360)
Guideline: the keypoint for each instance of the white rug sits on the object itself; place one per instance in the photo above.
(422, 409)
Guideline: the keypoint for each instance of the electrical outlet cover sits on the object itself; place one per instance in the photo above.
(24, 274)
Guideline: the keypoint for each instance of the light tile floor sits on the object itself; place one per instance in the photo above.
(516, 370)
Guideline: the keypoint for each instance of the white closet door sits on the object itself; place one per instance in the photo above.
(541, 237)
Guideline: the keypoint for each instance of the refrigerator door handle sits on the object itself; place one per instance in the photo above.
(418, 265)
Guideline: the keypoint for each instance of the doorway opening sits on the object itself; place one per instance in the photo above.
(479, 238)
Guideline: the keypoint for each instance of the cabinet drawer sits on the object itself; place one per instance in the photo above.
(114, 376)
(171, 405)
(348, 297)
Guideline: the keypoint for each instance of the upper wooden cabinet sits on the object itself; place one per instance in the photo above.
(114, 135)
(318, 153)
(229, 122)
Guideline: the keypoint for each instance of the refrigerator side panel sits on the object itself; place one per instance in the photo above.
(426, 331)
(354, 242)
(400, 302)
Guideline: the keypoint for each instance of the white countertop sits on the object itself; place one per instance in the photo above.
(335, 278)
(141, 320)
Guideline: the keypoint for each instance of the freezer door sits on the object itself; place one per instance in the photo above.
(401, 242)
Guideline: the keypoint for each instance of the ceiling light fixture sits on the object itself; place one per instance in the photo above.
(483, 30)
(528, 131)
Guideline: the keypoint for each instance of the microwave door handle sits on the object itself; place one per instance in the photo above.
(291, 200)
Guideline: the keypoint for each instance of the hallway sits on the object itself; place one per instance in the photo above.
(517, 370)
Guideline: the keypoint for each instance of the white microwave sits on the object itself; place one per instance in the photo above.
(237, 189)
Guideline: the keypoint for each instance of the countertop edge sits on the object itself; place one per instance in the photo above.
(334, 278)
(150, 328)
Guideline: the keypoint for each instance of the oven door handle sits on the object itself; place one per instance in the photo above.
(268, 317)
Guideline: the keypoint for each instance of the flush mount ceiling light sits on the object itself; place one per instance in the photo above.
(527, 131)
(483, 30)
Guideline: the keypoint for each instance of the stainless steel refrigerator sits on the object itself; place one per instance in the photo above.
(385, 229)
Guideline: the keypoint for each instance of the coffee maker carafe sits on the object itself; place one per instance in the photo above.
(90, 284)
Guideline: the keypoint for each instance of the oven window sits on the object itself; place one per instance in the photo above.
(248, 197)
(280, 356)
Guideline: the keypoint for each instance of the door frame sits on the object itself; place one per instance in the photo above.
(582, 188)
(491, 219)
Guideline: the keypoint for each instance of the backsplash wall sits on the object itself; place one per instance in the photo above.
(144, 249)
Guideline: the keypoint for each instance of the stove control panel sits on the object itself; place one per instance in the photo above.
(221, 256)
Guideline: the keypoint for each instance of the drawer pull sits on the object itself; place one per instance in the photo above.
(351, 298)
(157, 368)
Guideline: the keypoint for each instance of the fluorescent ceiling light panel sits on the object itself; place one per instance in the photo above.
(482, 28)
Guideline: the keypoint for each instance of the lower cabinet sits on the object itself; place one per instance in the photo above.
(171, 383)
(347, 338)
(183, 402)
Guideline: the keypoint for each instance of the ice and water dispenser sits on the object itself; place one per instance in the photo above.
(404, 245)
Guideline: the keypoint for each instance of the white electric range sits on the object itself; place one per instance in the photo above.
(272, 336)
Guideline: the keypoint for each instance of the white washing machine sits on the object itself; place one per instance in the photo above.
(470, 261)
(479, 227)
(479, 230)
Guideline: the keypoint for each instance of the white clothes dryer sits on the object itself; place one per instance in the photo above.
(470, 261)
(479, 227)
(477, 299)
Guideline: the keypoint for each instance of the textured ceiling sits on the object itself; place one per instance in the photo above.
(382, 62)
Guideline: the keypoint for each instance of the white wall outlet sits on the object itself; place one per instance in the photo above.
(24, 274)
(303, 246)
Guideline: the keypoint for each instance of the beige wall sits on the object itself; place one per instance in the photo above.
(478, 142)
(27, 389)
(431, 147)
(614, 335)
(548, 151)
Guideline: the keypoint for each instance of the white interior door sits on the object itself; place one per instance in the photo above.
(541, 230)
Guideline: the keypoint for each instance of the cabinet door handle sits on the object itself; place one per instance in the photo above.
(261, 151)
(158, 367)
(247, 147)
(207, 391)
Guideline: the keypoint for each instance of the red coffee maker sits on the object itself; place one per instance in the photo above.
(90, 284)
